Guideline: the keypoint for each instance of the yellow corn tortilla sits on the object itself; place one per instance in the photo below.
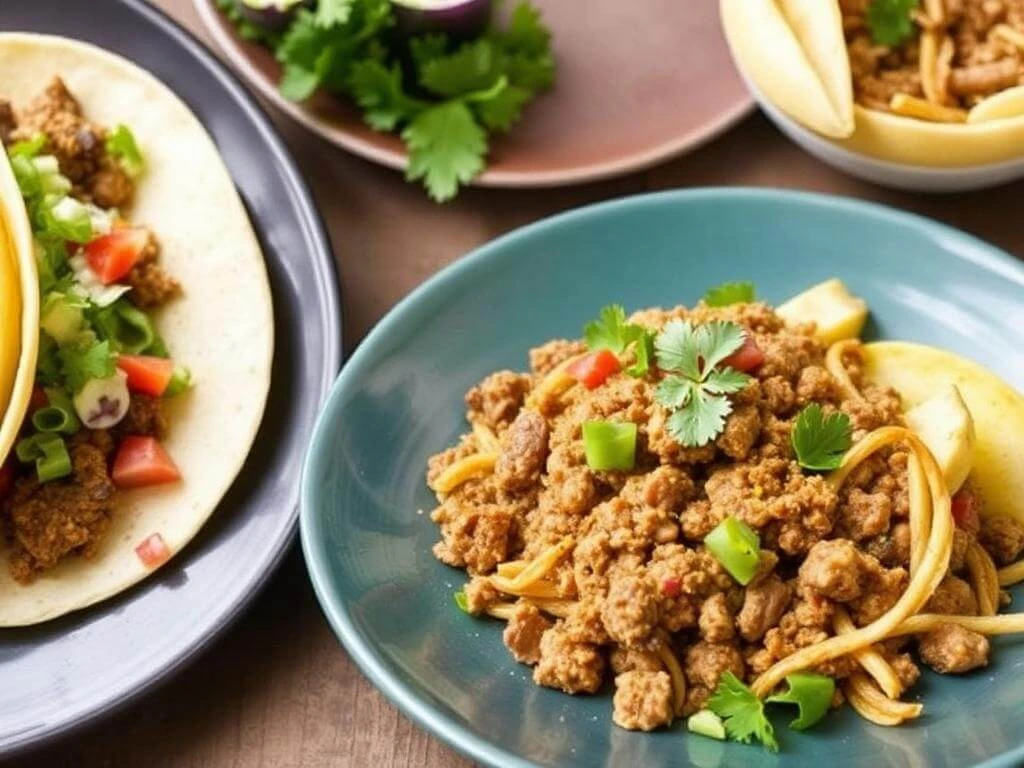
(222, 328)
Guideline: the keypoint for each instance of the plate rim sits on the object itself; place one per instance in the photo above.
(332, 352)
(371, 663)
(229, 46)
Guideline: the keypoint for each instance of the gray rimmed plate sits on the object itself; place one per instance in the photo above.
(65, 673)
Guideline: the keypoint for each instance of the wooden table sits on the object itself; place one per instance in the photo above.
(277, 691)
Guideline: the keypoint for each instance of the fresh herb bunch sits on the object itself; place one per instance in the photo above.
(443, 98)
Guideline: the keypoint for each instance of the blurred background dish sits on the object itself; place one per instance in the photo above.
(631, 90)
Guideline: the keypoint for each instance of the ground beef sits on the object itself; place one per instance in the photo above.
(864, 515)
(480, 594)
(630, 611)
(953, 596)
(763, 605)
(151, 285)
(716, 620)
(496, 400)
(524, 447)
(837, 570)
(110, 186)
(523, 632)
(8, 122)
(1002, 537)
(475, 538)
(627, 658)
(546, 358)
(145, 417)
(951, 649)
(705, 664)
(643, 700)
(53, 520)
(567, 665)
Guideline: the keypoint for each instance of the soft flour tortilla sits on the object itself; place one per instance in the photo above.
(19, 309)
(222, 328)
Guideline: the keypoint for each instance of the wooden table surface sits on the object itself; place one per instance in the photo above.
(277, 690)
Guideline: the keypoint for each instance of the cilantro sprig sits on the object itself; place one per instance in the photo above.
(730, 293)
(890, 22)
(611, 331)
(696, 393)
(820, 441)
(444, 98)
(742, 712)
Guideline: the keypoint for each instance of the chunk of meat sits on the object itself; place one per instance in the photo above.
(496, 400)
(984, 79)
(951, 649)
(763, 605)
(1002, 537)
(524, 447)
(953, 596)
(151, 285)
(630, 611)
(110, 186)
(77, 144)
(864, 515)
(643, 700)
(523, 632)
(836, 569)
(52, 520)
(627, 658)
(145, 417)
(707, 662)
(480, 595)
(892, 548)
(566, 665)
(546, 358)
(474, 537)
(716, 621)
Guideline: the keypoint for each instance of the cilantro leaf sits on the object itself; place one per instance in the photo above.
(84, 361)
(701, 420)
(730, 293)
(742, 712)
(503, 111)
(526, 32)
(676, 348)
(121, 144)
(427, 47)
(330, 13)
(475, 66)
(890, 21)
(446, 148)
(611, 331)
(725, 381)
(674, 392)
(716, 341)
(378, 90)
(820, 442)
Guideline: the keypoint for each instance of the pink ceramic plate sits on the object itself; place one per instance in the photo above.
(634, 87)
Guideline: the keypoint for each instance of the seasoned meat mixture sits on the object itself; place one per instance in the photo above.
(637, 578)
(970, 51)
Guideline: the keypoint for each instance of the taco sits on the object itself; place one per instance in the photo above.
(146, 328)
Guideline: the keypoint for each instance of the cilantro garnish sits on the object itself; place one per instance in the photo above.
(121, 144)
(697, 395)
(820, 442)
(742, 712)
(611, 331)
(730, 293)
(84, 361)
(442, 96)
(890, 22)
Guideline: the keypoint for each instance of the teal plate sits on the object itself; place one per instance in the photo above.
(366, 530)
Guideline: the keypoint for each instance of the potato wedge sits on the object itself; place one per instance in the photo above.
(836, 312)
(768, 47)
(918, 372)
(944, 423)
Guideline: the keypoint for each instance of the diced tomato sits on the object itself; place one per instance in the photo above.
(671, 586)
(113, 255)
(153, 551)
(747, 358)
(146, 374)
(142, 461)
(965, 512)
(594, 369)
(39, 400)
(6, 479)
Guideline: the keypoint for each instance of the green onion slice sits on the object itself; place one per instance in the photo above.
(706, 723)
(58, 416)
(812, 693)
(461, 600)
(49, 453)
(609, 445)
(181, 380)
(736, 547)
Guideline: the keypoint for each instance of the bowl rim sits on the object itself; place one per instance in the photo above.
(432, 717)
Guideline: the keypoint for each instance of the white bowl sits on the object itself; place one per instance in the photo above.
(901, 176)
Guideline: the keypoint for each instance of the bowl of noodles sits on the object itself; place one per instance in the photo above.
(918, 94)
(617, 490)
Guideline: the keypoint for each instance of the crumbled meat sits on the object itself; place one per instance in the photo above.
(110, 186)
(77, 143)
(480, 595)
(1002, 537)
(716, 622)
(892, 548)
(546, 358)
(630, 612)
(569, 666)
(837, 570)
(707, 662)
(52, 520)
(145, 417)
(523, 632)
(151, 285)
(524, 447)
(951, 649)
(627, 658)
(864, 515)
(643, 700)
(763, 605)
(496, 400)
(953, 596)
(475, 539)
(8, 122)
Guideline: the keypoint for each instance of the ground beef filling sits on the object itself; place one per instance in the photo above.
(638, 574)
(47, 522)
